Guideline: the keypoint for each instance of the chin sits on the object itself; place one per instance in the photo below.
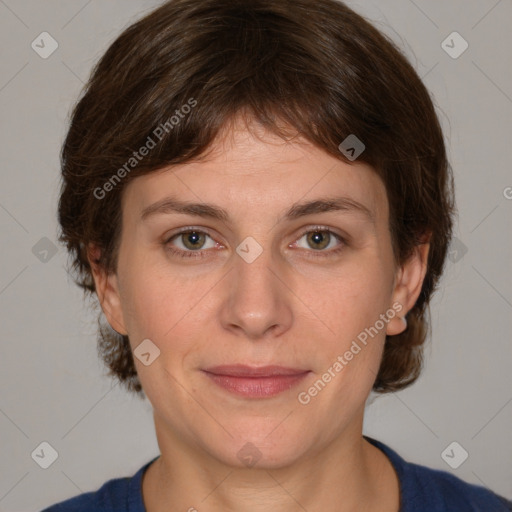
(255, 448)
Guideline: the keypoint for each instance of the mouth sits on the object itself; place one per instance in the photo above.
(255, 382)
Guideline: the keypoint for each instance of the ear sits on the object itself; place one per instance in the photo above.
(107, 290)
(408, 283)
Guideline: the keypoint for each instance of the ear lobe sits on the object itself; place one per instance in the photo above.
(408, 284)
(107, 290)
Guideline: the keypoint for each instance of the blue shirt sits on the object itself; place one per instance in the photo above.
(422, 489)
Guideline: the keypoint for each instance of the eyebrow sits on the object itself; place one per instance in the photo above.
(170, 205)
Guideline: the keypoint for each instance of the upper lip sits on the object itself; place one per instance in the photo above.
(240, 370)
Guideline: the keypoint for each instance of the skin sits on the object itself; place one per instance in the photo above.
(291, 306)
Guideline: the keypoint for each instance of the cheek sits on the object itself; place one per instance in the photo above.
(351, 307)
(352, 351)
(349, 298)
(153, 308)
(150, 302)
(166, 307)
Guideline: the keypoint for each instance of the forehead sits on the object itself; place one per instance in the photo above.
(253, 168)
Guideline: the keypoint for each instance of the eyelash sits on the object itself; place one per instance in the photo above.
(201, 253)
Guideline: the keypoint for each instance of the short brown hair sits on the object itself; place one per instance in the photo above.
(313, 65)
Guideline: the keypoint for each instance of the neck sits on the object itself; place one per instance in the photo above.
(346, 475)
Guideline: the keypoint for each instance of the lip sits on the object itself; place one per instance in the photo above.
(242, 370)
(255, 382)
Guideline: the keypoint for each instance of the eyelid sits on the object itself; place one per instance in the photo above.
(188, 229)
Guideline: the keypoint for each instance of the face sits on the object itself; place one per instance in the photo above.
(291, 266)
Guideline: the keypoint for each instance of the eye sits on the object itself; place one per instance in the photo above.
(193, 243)
(189, 242)
(321, 239)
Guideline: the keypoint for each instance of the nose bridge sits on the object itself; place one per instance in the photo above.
(254, 284)
(257, 298)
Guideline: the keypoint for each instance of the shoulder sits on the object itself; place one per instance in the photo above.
(116, 495)
(434, 490)
(111, 496)
(81, 503)
(443, 491)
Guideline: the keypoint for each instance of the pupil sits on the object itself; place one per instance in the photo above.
(192, 239)
(319, 237)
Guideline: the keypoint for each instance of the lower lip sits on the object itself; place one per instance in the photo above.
(257, 387)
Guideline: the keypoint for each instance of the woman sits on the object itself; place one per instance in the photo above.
(259, 195)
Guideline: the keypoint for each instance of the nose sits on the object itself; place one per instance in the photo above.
(258, 298)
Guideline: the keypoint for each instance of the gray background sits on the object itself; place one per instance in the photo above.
(53, 388)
